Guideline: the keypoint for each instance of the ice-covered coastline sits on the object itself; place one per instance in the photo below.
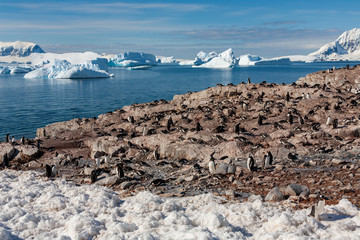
(35, 208)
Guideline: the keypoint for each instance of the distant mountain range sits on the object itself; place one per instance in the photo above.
(345, 48)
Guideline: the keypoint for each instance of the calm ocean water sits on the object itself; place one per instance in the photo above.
(27, 104)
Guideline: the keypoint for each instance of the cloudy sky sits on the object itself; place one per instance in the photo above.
(179, 28)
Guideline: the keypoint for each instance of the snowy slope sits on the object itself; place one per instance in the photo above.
(19, 49)
(35, 208)
(346, 47)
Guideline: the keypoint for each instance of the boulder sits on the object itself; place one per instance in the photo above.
(295, 190)
(274, 195)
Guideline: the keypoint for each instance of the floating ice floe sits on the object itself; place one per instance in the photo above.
(35, 208)
(58, 69)
(132, 59)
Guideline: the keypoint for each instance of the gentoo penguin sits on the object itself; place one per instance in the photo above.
(301, 120)
(328, 121)
(12, 140)
(5, 160)
(48, 171)
(97, 162)
(290, 118)
(250, 164)
(212, 166)
(93, 176)
(268, 158)
(53, 171)
(248, 81)
(7, 138)
(198, 127)
(107, 159)
(156, 153)
(245, 106)
(287, 97)
(335, 123)
(237, 128)
(119, 170)
(131, 119)
(303, 95)
(308, 96)
(260, 120)
(22, 141)
(145, 131)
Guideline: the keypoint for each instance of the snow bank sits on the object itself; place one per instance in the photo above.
(132, 59)
(35, 208)
(58, 69)
(19, 49)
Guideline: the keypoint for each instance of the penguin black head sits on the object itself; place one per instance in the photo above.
(48, 171)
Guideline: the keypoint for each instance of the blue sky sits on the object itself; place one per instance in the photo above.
(178, 28)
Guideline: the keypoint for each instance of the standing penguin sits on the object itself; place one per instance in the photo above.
(301, 120)
(212, 166)
(268, 158)
(5, 160)
(7, 138)
(260, 120)
(335, 123)
(131, 119)
(22, 141)
(53, 171)
(248, 81)
(198, 127)
(287, 98)
(328, 121)
(97, 162)
(290, 118)
(93, 176)
(308, 96)
(48, 171)
(156, 153)
(250, 164)
(237, 128)
(119, 170)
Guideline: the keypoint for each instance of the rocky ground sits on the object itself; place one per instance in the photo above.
(165, 146)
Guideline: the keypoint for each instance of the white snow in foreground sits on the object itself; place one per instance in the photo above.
(35, 208)
(62, 69)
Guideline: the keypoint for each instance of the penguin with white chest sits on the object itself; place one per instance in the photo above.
(250, 163)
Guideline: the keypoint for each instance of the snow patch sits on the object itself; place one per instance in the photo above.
(36, 208)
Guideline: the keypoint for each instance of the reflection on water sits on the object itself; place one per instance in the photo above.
(27, 104)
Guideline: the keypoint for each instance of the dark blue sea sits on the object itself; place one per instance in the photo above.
(27, 104)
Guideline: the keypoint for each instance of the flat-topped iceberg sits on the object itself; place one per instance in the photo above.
(132, 59)
(15, 69)
(58, 69)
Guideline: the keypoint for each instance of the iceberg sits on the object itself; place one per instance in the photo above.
(248, 60)
(132, 59)
(203, 57)
(225, 59)
(40, 59)
(15, 69)
(274, 61)
(166, 60)
(58, 69)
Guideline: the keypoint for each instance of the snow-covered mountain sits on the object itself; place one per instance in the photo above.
(346, 47)
(19, 49)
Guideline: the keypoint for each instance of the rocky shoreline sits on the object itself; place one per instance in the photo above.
(165, 146)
